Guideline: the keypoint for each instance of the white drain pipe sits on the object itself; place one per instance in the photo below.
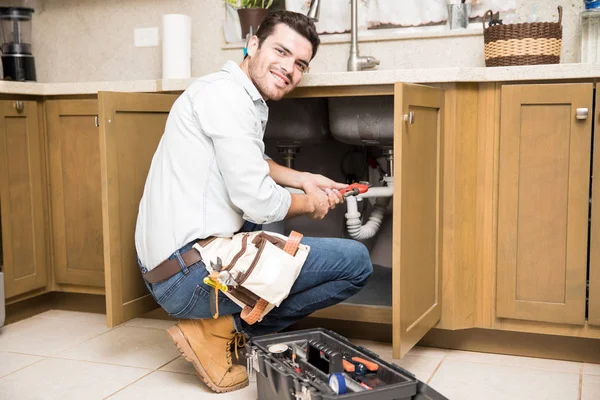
(358, 231)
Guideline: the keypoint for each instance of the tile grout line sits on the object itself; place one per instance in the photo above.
(178, 372)
(96, 336)
(26, 366)
(149, 373)
(80, 343)
(517, 365)
(580, 394)
(24, 354)
(167, 363)
(126, 386)
(101, 363)
(68, 319)
(127, 323)
(520, 366)
(437, 368)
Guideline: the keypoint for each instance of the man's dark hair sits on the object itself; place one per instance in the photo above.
(296, 21)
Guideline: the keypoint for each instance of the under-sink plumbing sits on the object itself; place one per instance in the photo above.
(288, 154)
(382, 194)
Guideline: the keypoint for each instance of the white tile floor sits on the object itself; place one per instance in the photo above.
(70, 355)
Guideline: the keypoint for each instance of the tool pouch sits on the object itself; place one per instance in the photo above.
(258, 268)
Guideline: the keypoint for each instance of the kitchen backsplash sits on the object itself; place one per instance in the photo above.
(92, 40)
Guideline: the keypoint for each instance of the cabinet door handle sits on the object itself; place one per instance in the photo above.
(19, 106)
(581, 113)
(96, 121)
(410, 117)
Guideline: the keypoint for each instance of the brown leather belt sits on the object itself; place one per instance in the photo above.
(168, 268)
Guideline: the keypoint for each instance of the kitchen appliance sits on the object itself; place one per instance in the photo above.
(15, 27)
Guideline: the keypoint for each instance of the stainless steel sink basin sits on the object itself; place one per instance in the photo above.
(297, 122)
(365, 120)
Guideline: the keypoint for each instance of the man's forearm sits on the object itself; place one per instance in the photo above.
(285, 176)
(301, 205)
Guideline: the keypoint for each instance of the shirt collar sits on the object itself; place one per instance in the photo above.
(240, 77)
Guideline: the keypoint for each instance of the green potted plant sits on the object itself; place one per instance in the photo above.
(251, 13)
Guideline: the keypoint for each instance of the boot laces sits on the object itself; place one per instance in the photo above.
(238, 340)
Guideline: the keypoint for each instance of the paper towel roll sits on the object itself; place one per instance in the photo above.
(176, 46)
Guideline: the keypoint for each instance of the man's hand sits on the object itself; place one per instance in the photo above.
(330, 187)
(322, 181)
(318, 200)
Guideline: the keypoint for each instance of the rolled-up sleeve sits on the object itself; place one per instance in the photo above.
(228, 116)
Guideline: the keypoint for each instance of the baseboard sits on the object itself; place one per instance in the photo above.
(55, 301)
(516, 343)
(28, 308)
(352, 330)
(92, 303)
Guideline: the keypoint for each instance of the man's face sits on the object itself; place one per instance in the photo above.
(276, 67)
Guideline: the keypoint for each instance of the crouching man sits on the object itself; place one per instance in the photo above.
(210, 178)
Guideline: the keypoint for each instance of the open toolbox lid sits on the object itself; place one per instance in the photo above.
(321, 364)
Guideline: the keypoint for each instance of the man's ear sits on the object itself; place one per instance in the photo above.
(252, 45)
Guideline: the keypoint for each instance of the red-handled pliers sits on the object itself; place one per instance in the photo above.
(355, 189)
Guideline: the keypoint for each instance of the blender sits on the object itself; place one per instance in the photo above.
(15, 28)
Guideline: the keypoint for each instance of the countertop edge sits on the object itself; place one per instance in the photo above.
(376, 77)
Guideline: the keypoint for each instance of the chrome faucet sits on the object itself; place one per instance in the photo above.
(355, 61)
(314, 10)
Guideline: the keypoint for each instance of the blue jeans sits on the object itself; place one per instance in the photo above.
(335, 270)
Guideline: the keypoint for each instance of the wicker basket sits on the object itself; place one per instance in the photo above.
(522, 44)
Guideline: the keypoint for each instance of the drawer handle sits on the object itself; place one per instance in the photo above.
(19, 106)
(581, 113)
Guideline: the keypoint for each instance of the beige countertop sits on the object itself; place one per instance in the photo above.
(375, 77)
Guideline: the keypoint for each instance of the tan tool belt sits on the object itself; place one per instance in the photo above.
(256, 270)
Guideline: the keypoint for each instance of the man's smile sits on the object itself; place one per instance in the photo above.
(280, 78)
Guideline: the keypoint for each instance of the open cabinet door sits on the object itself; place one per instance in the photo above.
(417, 277)
(131, 125)
(594, 272)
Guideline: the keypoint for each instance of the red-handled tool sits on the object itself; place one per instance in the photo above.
(354, 189)
(348, 366)
(371, 366)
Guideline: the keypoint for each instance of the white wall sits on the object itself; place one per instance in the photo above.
(92, 40)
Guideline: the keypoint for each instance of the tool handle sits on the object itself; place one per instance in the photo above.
(371, 366)
(348, 366)
(361, 187)
(215, 284)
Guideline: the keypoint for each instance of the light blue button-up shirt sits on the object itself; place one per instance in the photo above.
(209, 171)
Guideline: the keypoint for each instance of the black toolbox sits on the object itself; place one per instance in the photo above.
(317, 364)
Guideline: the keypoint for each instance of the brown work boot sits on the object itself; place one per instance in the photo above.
(206, 343)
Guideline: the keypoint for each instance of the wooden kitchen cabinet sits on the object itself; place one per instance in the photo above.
(594, 291)
(131, 125)
(543, 198)
(22, 191)
(75, 195)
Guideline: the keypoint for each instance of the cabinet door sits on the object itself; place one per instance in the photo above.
(594, 304)
(22, 197)
(75, 196)
(543, 198)
(416, 286)
(131, 125)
